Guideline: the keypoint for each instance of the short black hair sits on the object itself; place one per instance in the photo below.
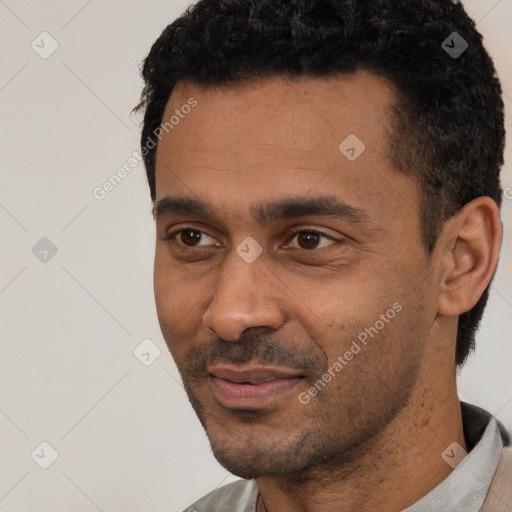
(448, 122)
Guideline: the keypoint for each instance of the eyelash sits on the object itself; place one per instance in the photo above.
(293, 234)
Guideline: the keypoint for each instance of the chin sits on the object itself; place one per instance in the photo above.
(249, 452)
(250, 465)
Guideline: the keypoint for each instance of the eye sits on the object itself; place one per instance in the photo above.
(308, 239)
(189, 237)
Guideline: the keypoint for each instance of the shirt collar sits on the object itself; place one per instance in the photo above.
(466, 487)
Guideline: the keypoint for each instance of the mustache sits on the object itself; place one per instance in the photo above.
(256, 349)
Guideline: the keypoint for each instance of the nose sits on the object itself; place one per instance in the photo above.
(246, 296)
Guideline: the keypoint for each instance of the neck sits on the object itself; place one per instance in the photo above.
(388, 472)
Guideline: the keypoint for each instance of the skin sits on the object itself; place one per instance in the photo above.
(372, 438)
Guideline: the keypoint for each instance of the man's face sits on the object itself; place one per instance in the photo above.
(256, 335)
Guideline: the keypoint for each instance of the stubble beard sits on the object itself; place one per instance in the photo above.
(313, 446)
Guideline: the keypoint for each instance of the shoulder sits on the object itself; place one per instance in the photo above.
(500, 491)
(240, 496)
(504, 469)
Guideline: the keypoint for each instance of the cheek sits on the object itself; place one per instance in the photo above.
(172, 288)
(376, 309)
(163, 284)
(180, 304)
(171, 302)
(352, 301)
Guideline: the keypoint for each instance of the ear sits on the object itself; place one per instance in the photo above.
(469, 247)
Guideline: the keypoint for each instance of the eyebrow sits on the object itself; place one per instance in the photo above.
(265, 213)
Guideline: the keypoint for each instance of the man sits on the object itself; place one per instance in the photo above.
(325, 179)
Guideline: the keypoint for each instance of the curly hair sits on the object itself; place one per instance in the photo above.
(447, 122)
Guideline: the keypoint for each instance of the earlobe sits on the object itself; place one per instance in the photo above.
(469, 247)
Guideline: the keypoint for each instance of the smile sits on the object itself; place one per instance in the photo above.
(253, 387)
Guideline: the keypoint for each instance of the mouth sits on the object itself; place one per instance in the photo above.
(251, 387)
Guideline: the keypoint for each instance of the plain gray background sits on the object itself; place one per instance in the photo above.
(126, 436)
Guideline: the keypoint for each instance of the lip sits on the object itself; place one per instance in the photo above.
(251, 387)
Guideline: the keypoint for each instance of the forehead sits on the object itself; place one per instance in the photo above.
(299, 119)
(278, 137)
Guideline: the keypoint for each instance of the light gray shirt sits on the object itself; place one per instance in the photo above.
(465, 488)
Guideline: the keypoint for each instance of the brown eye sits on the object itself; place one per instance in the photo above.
(309, 239)
(188, 237)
